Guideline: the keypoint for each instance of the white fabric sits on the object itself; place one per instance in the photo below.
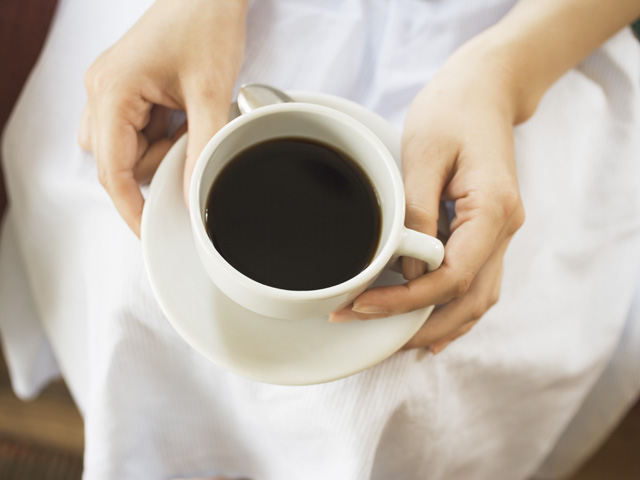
(610, 399)
(491, 406)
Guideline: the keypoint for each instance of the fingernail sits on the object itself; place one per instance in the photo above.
(413, 268)
(344, 315)
(368, 309)
(436, 348)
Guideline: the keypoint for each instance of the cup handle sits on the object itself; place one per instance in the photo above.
(421, 246)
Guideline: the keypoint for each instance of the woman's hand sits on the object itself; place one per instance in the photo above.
(458, 145)
(178, 56)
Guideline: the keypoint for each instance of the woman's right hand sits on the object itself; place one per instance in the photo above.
(179, 55)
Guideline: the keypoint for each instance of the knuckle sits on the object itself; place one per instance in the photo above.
(416, 144)
(416, 214)
(84, 143)
(131, 107)
(207, 84)
(463, 282)
(96, 79)
(478, 310)
(493, 299)
(509, 201)
(502, 201)
(517, 218)
(468, 326)
(103, 177)
(207, 91)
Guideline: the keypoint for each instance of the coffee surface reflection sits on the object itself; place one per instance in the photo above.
(294, 214)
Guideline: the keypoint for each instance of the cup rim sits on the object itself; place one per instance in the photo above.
(367, 275)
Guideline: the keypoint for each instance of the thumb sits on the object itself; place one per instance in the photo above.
(204, 120)
(424, 180)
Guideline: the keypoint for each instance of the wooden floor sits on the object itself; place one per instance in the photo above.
(53, 421)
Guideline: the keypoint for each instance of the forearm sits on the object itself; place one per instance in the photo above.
(540, 40)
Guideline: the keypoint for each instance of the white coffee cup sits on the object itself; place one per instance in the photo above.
(344, 133)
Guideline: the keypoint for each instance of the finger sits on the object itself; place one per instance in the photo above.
(394, 300)
(444, 322)
(117, 151)
(439, 346)
(425, 177)
(158, 125)
(148, 163)
(468, 248)
(383, 302)
(205, 116)
(84, 132)
(142, 145)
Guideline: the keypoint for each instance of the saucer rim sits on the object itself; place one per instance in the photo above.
(265, 375)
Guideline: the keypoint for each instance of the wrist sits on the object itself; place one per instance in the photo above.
(517, 82)
(538, 41)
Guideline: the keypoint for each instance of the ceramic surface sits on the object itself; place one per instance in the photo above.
(262, 348)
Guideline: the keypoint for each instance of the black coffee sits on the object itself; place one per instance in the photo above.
(294, 214)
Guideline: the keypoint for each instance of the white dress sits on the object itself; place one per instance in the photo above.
(524, 392)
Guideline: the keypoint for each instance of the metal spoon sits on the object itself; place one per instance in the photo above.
(256, 95)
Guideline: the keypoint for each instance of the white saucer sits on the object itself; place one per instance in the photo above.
(285, 352)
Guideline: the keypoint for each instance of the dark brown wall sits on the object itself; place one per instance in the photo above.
(23, 28)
